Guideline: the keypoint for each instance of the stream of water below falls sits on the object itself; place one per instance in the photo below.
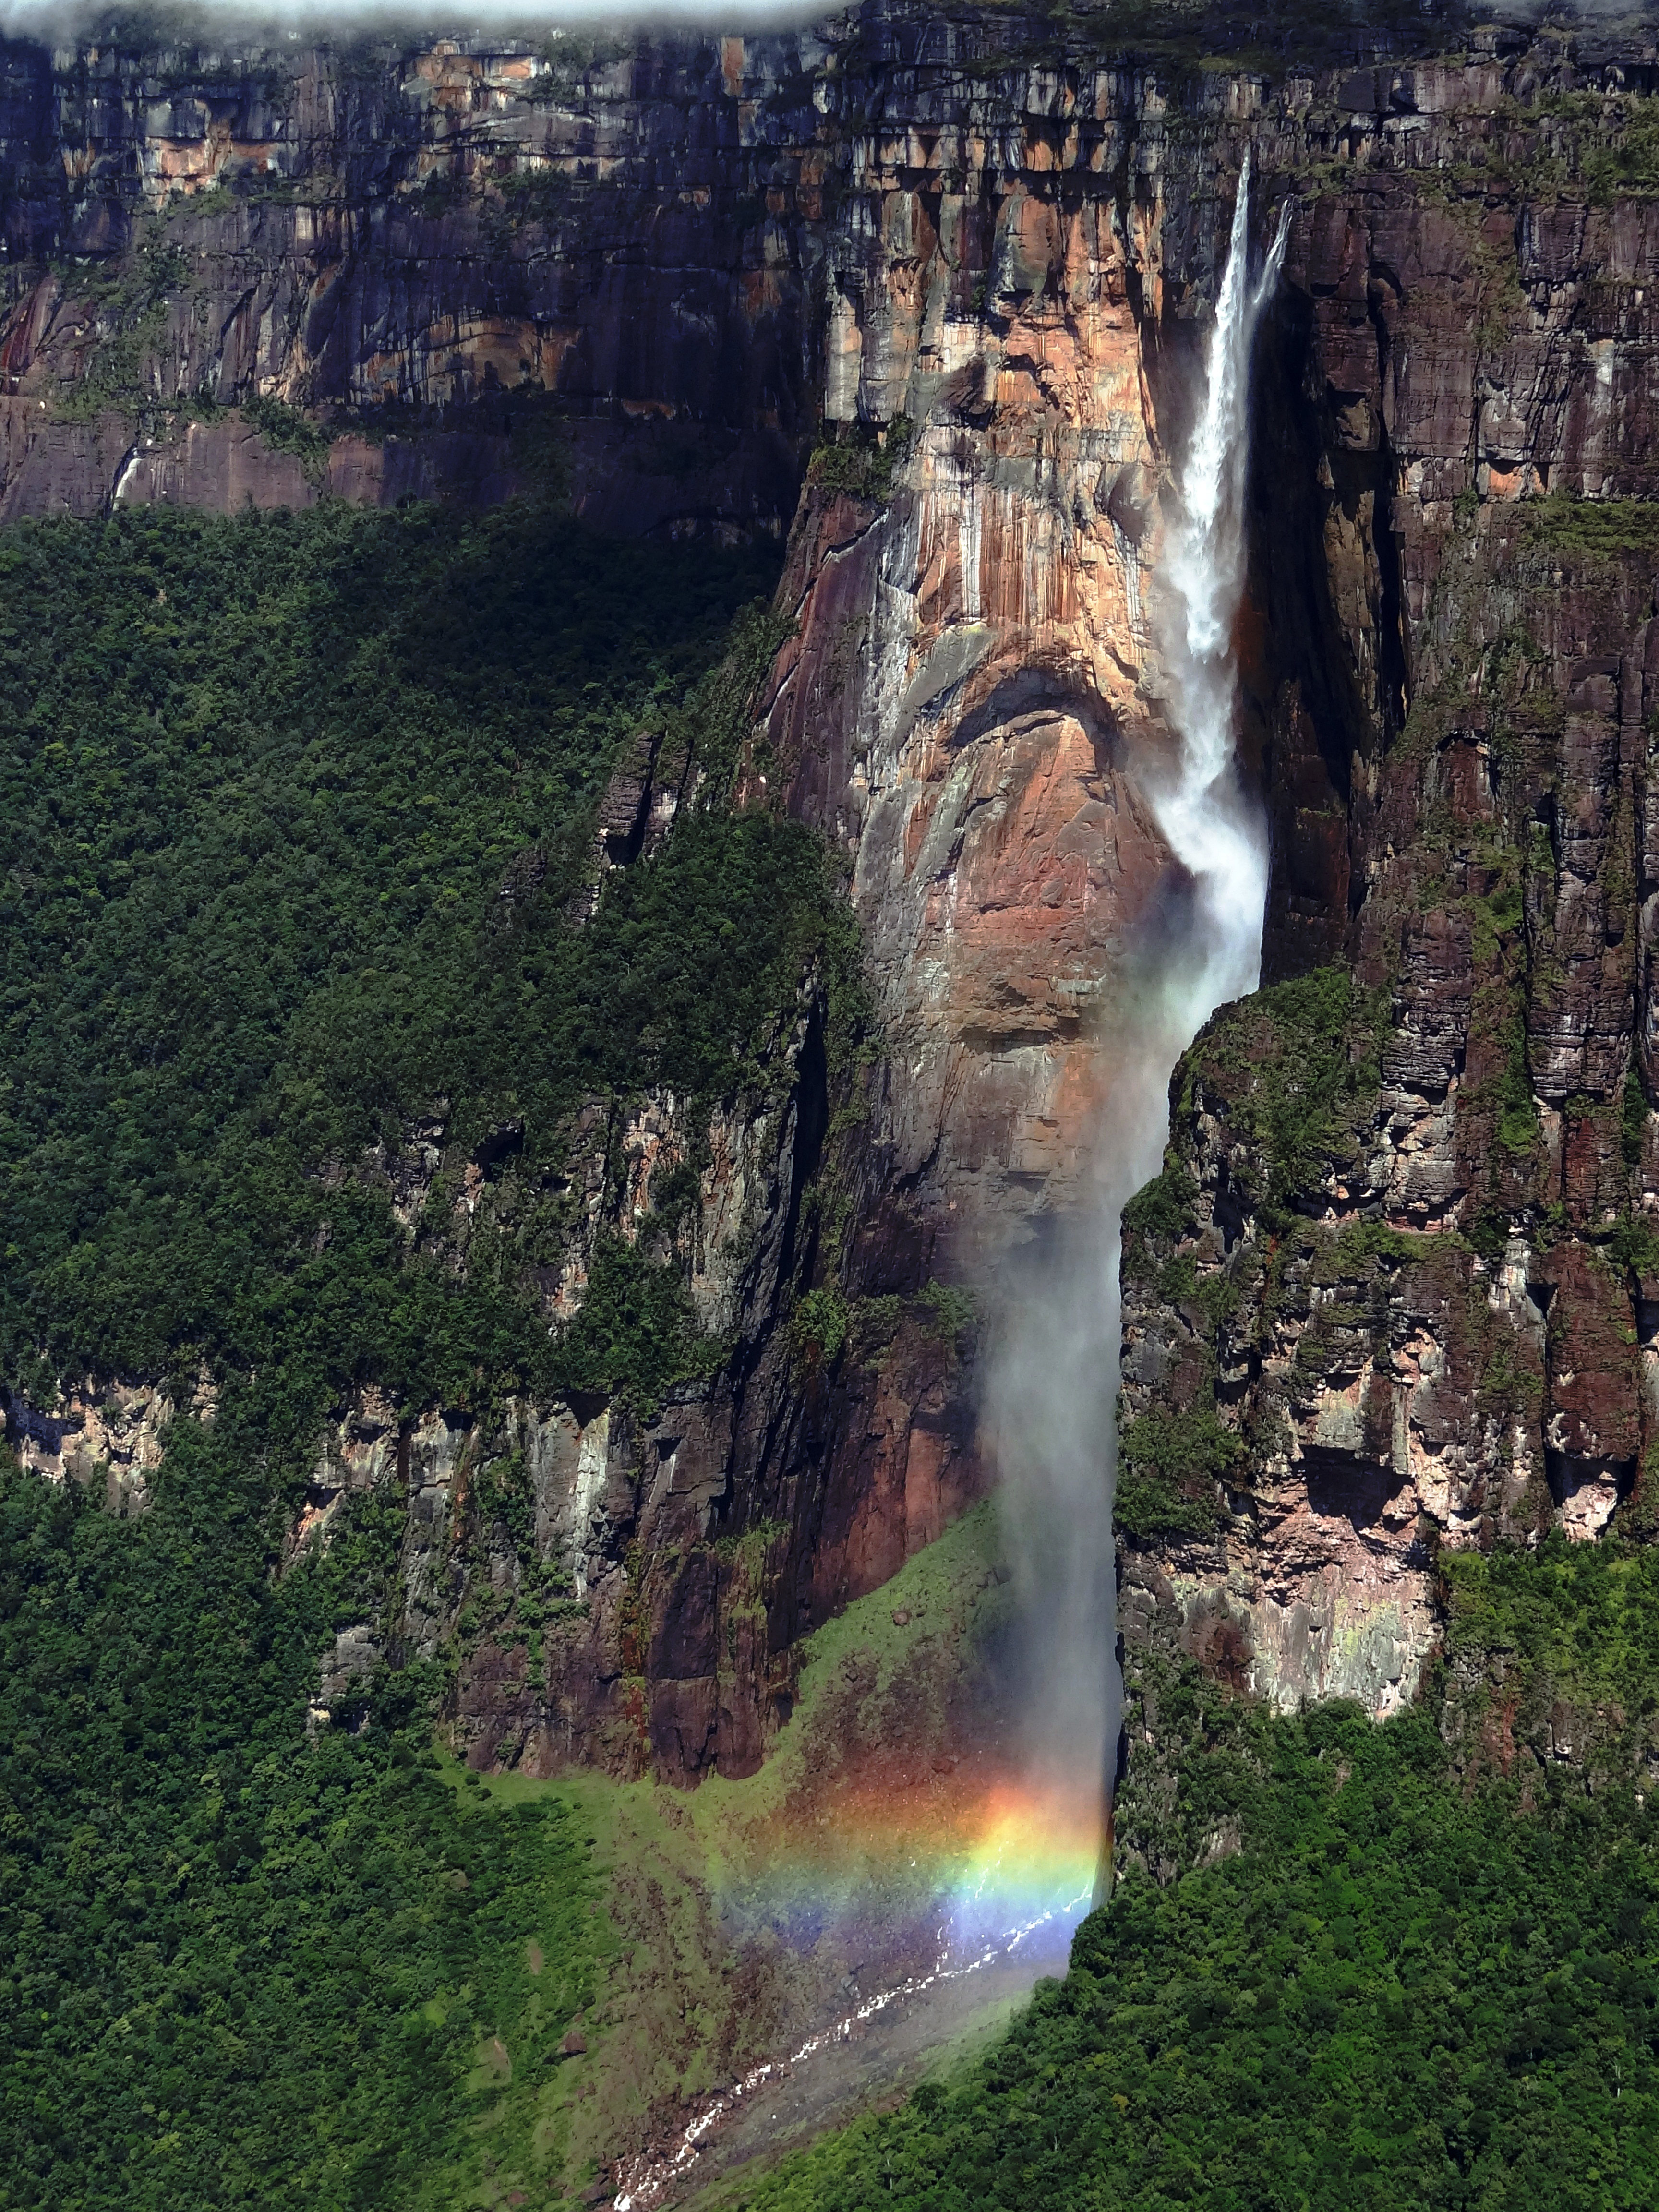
(1052, 1392)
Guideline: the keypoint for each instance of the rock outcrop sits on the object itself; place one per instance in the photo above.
(622, 1584)
(111, 1432)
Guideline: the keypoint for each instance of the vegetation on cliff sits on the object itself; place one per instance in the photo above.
(299, 826)
(239, 1966)
(862, 462)
(1412, 1963)
(1288, 1067)
(270, 783)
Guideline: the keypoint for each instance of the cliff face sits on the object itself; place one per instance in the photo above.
(967, 693)
(1395, 1290)
(435, 237)
(966, 259)
(624, 1586)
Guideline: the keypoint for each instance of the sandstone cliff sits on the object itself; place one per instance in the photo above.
(432, 244)
(1395, 1290)
(958, 259)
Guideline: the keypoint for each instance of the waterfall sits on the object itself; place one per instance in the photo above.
(1052, 1385)
(1052, 1390)
(1213, 829)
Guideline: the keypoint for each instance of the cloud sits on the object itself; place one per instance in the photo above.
(54, 21)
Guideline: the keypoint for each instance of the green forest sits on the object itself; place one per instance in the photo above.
(264, 782)
(1407, 1977)
(239, 1966)
(267, 782)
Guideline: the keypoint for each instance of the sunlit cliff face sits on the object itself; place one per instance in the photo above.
(1011, 696)
(974, 682)
(971, 703)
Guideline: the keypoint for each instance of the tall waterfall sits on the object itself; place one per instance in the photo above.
(1053, 1386)
(1213, 829)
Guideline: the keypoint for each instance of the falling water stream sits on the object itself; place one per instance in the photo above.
(1214, 830)
(1052, 1390)
(1052, 1387)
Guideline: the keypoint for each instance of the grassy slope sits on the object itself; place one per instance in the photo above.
(726, 1909)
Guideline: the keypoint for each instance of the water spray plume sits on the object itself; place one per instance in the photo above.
(1052, 1391)
(1013, 1871)
(1213, 829)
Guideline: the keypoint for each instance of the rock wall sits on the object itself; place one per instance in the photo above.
(106, 1431)
(1395, 1290)
(484, 268)
(949, 267)
(971, 683)
(624, 1586)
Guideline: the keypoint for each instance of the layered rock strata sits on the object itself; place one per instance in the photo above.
(959, 260)
(1395, 1291)
(435, 243)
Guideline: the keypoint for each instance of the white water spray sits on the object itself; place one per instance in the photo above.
(1213, 829)
(1053, 1388)
(1053, 1385)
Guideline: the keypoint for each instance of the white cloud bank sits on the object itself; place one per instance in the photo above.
(56, 19)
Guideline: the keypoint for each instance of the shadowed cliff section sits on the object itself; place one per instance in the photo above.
(473, 268)
(243, 265)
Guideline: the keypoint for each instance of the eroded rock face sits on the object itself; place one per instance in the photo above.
(969, 261)
(624, 1586)
(1399, 1296)
(575, 1553)
(1440, 1317)
(109, 1432)
(319, 225)
(1444, 689)
(962, 706)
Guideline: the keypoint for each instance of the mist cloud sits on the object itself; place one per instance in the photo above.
(56, 22)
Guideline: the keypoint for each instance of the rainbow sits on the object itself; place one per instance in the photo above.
(1033, 1864)
(991, 1874)
(982, 1863)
